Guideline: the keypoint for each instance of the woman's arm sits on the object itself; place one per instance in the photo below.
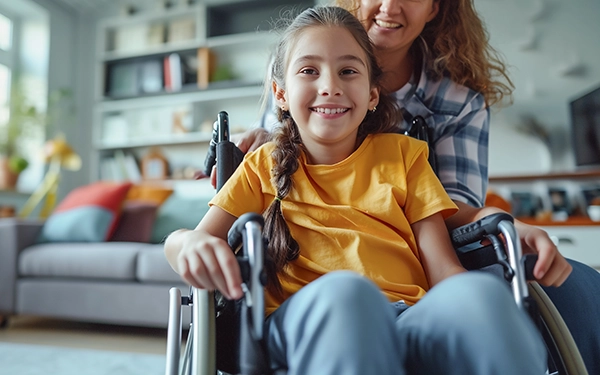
(437, 255)
(202, 256)
(551, 269)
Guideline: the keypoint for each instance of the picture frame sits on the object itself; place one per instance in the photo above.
(591, 195)
(559, 201)
(524, 204)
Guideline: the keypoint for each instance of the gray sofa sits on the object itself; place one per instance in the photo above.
(125, 283)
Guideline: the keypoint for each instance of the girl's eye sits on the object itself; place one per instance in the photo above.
(348, 71)
(308, 71)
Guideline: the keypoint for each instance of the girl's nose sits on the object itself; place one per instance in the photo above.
(390, 7)
(329, 85)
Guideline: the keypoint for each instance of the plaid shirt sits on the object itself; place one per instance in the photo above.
(459, 119)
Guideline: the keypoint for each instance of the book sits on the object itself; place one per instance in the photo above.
(206, 66)
(175, 73)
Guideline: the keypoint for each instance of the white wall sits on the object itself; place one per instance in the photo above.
(553, 49)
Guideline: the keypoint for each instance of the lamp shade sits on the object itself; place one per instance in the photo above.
(58, 149)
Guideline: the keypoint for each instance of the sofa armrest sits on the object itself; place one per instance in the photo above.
(15, 235)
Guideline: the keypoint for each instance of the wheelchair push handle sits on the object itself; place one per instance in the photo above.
(472, 232)
(235, 235)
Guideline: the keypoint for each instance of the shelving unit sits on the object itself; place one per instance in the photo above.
(221, 49)
(573, 183)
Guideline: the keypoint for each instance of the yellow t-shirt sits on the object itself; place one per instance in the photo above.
(353, 215)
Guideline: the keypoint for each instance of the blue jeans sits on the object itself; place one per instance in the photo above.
(578, 301)
(342, 324)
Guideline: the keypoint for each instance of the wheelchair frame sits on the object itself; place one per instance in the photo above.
(200, 354)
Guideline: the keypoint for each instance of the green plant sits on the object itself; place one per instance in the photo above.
(27, 122)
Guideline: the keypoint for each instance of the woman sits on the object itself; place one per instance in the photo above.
(438, 64)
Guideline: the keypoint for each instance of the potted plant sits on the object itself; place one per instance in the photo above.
(26, 122)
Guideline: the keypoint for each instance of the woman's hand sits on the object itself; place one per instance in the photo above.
(551, 268)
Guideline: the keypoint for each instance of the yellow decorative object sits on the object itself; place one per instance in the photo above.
(58, 154)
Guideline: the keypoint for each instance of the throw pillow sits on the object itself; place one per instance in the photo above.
(87, 214)
(135, 225)
(149, 193)
(176, 213)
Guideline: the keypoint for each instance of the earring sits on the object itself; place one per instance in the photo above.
(374, 109)
(283, 108)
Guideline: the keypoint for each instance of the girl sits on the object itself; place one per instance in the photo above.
(363, 277)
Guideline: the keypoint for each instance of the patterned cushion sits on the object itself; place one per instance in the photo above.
(87, 214)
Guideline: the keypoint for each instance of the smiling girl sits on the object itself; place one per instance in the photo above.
(363, 278)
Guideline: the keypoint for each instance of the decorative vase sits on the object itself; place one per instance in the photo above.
(8, 178)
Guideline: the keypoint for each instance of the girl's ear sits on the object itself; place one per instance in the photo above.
(374, 98)
(279, 94)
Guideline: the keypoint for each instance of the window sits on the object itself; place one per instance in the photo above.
(6, 26)
(6, 63)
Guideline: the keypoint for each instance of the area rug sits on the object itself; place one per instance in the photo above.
(22, 359)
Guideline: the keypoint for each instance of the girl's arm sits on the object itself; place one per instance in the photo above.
(202, 256)
(437, 255)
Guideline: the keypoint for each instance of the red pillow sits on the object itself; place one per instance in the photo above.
(87, 214)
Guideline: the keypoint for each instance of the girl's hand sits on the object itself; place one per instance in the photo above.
(202, 256)
(207, 262)
(551, 268)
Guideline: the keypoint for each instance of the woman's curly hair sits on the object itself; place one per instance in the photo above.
(456, 45)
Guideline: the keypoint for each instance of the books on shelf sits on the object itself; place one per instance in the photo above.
(172, 71)
(120, 167)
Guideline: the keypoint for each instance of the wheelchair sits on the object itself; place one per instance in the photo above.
(241, 322)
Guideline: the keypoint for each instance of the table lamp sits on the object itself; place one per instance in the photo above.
(59, 155)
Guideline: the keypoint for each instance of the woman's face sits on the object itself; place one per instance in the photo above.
(396, 24)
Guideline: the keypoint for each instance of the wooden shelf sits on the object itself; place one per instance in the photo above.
(575, 175)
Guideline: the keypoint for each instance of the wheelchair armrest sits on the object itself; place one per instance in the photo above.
(476, 231)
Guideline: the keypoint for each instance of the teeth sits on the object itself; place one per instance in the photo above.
(329, 111)
(387, 24)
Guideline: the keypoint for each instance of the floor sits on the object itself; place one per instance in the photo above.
(41, 331)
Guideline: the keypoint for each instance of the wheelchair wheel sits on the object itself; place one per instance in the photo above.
(563, 356)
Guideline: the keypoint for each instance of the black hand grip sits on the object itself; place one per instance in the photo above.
(211, 155)
(234, 237)
(229, 158)
(529, 261)
(475, 231)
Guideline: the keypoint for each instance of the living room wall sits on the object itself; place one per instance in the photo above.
(552, 50)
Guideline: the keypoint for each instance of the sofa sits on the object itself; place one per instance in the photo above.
(114, 281)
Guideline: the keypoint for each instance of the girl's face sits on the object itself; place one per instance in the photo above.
(327, 87)
(396, 24)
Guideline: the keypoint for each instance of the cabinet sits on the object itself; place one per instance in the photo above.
(163, 75)
(577, 242)
(576, 236)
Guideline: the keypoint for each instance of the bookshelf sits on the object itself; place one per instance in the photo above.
(163, 75)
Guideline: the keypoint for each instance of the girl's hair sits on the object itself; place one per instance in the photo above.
(456, 45)
(282, 248)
